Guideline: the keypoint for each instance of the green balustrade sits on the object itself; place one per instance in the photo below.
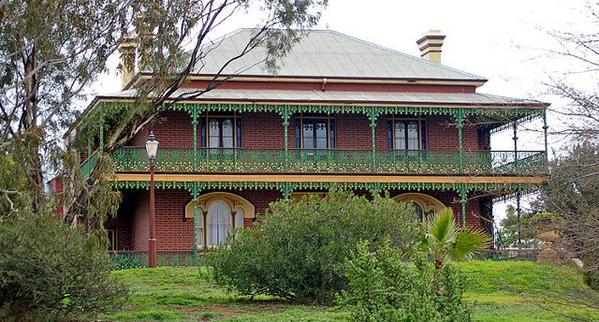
(213, 160)
(88, 166)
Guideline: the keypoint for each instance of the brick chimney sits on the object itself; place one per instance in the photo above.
(430, 45)
(128, 50)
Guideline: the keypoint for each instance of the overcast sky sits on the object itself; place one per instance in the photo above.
(504, 41)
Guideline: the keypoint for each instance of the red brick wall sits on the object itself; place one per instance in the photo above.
(442, 134)
(174, 130)
(139, 225)
(353, 132)
(452, 199)
(173, 232)
(262, 131)
(265, 130)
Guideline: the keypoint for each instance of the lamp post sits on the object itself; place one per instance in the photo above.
(152, 150)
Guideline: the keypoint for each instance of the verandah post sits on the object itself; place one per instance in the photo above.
(460, 126)
(373, 119)
(515, 138)
(101, 143)
(195, 192)
(463, 202)
(285, 117)
(194, 122)
(545, 127)
(196, 223)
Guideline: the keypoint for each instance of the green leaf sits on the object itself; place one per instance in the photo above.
(469, 242)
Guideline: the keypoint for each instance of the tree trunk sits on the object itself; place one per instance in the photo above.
(33, 133)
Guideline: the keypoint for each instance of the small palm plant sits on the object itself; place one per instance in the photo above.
(445, 242)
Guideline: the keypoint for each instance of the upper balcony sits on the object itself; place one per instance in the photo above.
(334, 161)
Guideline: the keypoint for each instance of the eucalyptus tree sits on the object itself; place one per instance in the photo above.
(52, 50)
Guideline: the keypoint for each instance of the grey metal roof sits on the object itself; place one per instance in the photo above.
(308, 96)
(326, 53)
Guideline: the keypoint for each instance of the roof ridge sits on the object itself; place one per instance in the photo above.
(426, 61)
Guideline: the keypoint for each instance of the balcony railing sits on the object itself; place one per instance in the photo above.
(209, 160)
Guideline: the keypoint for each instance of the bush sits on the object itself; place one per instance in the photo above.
(592, 279)
(383, 287)
(298, 249)
(51, 272)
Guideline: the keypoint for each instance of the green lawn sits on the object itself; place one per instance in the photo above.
(500, 291)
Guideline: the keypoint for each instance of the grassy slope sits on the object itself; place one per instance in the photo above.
(500, 291)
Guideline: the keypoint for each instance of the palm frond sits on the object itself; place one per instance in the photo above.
(470, 241)
(442, 226)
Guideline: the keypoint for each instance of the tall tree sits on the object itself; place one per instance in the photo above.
(574, 174)
(52, 50)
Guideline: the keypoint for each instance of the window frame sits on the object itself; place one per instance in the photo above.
(206, 118)
(406, 121)
(330, 122)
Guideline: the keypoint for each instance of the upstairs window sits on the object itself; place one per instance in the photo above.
(315, 133)
(221, 131)
(407, 134)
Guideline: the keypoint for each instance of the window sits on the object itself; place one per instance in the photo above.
(218, 214)
(425, 206)
(421, 214)
(315, 132)
(406, 134)
(218, 222)
(221, 131)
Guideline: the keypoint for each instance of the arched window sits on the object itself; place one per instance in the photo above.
(418, 211)
(218, 213)
(425, 206)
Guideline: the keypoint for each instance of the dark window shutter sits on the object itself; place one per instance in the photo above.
(423, 130)
(298, 134)
(238, 132)
(203, 132)
(333, 134)
(390, 134)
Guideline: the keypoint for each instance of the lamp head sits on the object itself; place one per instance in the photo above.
(152, 146)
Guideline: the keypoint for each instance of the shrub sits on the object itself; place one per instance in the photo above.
(50, 272)
(592, 279)
(383, 287)
(298, 249)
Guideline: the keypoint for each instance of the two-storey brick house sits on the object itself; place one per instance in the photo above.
(340, 112)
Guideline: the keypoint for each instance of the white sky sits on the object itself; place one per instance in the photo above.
(504, 41)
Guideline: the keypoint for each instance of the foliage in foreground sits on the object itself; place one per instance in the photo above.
(51, 272)
(503, 291)
(383, 287)
(298, 250)
(445, 242)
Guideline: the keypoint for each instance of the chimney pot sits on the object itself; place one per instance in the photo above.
(430, 45)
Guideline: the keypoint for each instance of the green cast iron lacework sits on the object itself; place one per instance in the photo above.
(373, 112)
(128, 259)
(288, 187)
(88, 166)
(212, 160)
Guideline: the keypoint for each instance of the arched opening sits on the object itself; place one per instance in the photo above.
(425, 206)
(218, 214)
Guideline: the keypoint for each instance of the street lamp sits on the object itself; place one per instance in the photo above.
(152, 150)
